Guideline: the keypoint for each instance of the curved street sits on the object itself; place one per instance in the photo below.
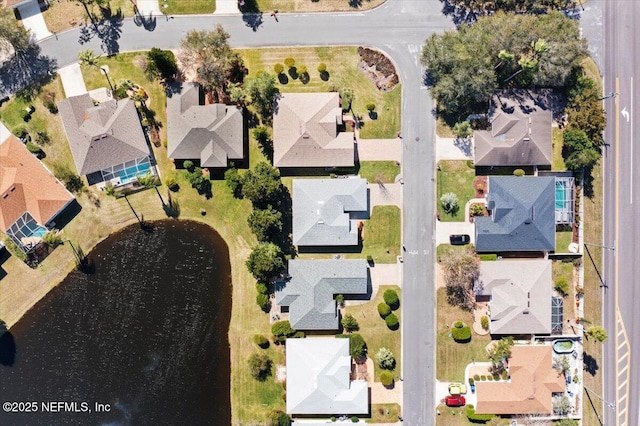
(399, 28)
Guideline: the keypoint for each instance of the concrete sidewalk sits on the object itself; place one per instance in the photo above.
(72, 80)
(226, 7)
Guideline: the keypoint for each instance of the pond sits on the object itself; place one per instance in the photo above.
(145, 335)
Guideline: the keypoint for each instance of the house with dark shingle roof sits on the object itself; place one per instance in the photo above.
(319, 378)
(531, 387)
(310, 292)
(106, 140)
(326, 212)
(305, 132)
(521, 215)
(520, 133)
(519, 293)
(212, 134)
(30, 196)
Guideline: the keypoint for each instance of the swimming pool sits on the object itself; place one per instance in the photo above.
(561, 194)
(563, 346)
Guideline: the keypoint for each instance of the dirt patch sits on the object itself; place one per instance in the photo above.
(480, 186)
(378, 68)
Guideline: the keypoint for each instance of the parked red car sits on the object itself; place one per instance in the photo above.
(455, 401)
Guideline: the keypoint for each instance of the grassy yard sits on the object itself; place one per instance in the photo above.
(379, 413)
(443, 248)
(342, 67)
(563, 239)
(556, 140)
(375, 331)
(381, 234)
(64, 14)
(379, 171)
(316, 6)
(452, 357)
(455, 176)
(452, 416)
(189, 7)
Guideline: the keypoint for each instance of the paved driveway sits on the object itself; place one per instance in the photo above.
(33, 21)
(380, 149)
(444, 229)
(454, 149)
(72, 80)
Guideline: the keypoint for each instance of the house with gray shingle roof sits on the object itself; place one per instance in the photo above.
(106, 140)
(310, 292)
(521, 215)
(326, 211)
(519, 293)
(520, 133)
(305, 132)
(212, 134)
(319, 378)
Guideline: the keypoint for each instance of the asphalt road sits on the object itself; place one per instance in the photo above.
(399, 28)
(621, 230)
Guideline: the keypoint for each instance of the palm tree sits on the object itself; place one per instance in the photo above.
(87, 57)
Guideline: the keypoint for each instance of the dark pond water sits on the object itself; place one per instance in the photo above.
(145, 334)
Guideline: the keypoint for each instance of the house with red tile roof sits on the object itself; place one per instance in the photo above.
(531, 387)
(30, 195)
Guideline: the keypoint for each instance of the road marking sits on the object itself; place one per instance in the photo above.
(625, 113)
(631, 141)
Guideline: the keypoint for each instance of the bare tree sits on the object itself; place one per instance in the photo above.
(461, 269)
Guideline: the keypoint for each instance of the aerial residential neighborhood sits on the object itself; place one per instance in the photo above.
(307, 212)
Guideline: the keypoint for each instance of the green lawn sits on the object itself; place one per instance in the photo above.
(342, 67)
(556, 140)
(379, 171)
(563, 239)
(375, 331)
(382, 234)
(314, 6)
(455, 176)
(452, 416)
(188, 7)
(443, 248)
(452, 357)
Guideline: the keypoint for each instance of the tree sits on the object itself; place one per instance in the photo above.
(13, 36)
(500, 352)
(261, 134)
(263, 301)
(265, 224)
(561, 363)
(349, 323)
(281, 330)
(237, 93)
(234, 181)
(262, 185)
(392, 321)
(265, 261)
(386, 378)
(461, 268)
(278, 68)
(561, 405)
(346, 98)
(263, 91)
(161, 64)
(462, 130)
(357, 346)
(214, 61)
(87, 57)
(385, 359)
(449, 203)
(530, 50)
(279, 418)
(578, 150)
(259, 365)
(383, 309)
(199, 182)
(598, 333)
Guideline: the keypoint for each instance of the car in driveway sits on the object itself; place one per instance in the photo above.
(457, 388)
(459, 239)
(455, 401)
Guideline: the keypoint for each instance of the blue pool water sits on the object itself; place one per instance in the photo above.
(39, 232)
(561, 194)
(130, 173)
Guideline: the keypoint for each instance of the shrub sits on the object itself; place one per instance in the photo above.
(484, 322)
(289, 62)
(496, 377)
(42, 138)
(340, 300)
(357, 346)
(188, 164)
(371, 107)
(562, 286)
(302, 69)
(354, 419)
(52, 238)
(234, 181)
(263, 301)
(278, 68)
(473, 417)
(281, 330)
(370, 259)
(449, 202)
(476, 377)
(120, 92)
(279, 418)
(259, 365)
(504, 375)
(71, 181)
(471, 381)
(458, 324)
(385, 359)
(462, 130)
(350, 324)
(461, 334)
(261, 340)
(392, 322)
(261, 288)
(383, 309)
(322, 67)
(33, 148)
(476, 209)
(26, 116)
(391, 298)
(172, 184)
(333, 418)
(518, 172)
(483, 377)
(386, 378)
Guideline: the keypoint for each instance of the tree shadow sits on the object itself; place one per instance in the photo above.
(324, 76)
(26, 72)
(355, 3)
(459, 15)
(7, 346)
(304, 77)
(108, 29)
(253, 20)
(282, 78)
(293, 72)
(147, 22)
(590, 364)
